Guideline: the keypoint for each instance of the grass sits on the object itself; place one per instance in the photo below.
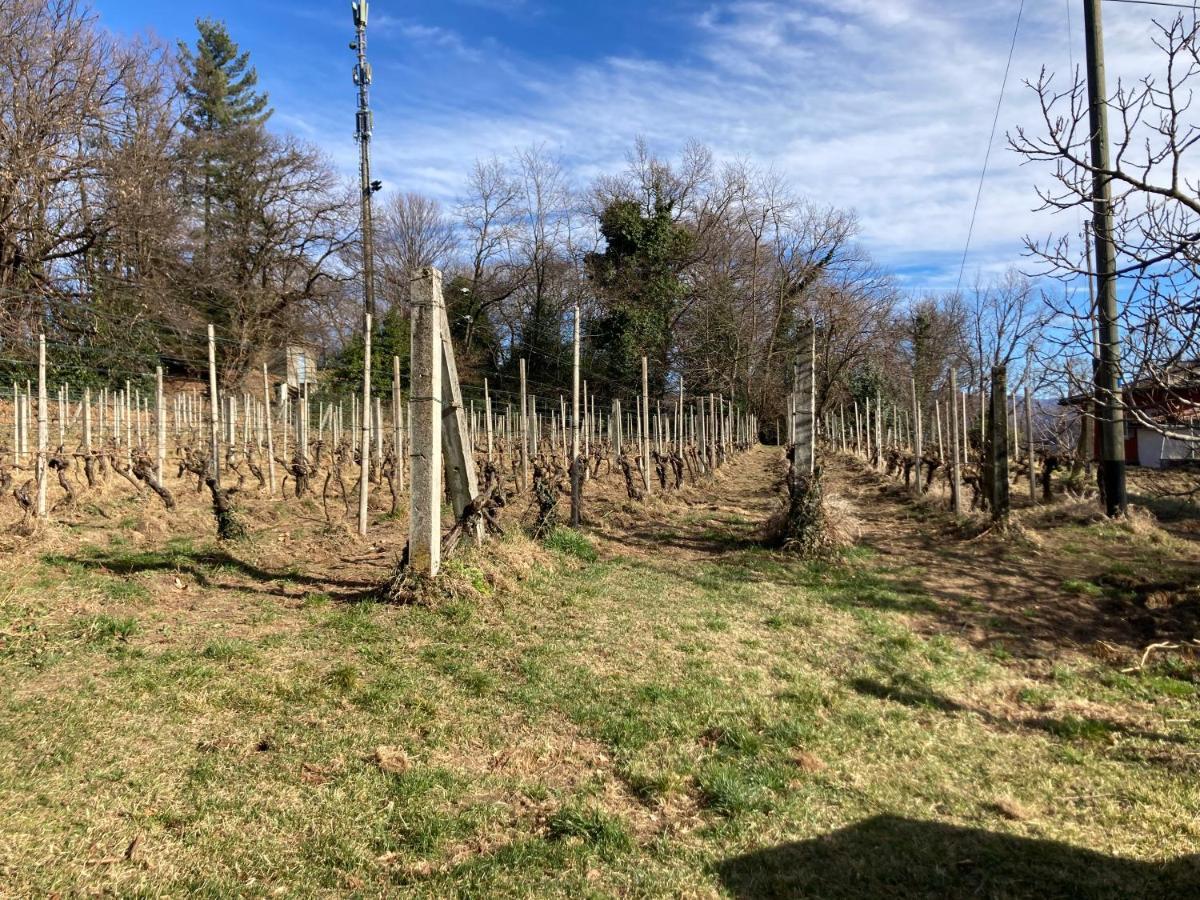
(570, 542)
(607, 726)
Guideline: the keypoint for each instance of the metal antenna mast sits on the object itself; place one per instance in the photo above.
(362, 133)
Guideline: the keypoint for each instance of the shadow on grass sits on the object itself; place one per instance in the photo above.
(1004, 590)
(911, 693)
(888, 856)
(843, 582)
(203, 565)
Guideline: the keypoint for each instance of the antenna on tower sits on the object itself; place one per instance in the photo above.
(364, 124)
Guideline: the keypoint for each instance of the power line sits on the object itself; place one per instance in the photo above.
(991, 139)
(1155, 3)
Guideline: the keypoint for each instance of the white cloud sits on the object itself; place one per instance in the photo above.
(883, 106)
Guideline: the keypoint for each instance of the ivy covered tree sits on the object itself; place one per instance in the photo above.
(391, 337)
(638, 278)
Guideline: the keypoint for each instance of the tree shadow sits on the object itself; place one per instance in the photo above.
(204, 566)
(911, 693)
(1001, 591)
(894, 857)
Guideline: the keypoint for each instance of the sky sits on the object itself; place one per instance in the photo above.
(879, 106)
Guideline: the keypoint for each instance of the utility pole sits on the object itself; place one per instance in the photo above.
(364, 123)
(1112, 427)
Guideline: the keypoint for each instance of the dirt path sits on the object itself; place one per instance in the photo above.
(1039, 594)
(705, 521)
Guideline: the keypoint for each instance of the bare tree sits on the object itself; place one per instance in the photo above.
(1156, 213)
(412, 232)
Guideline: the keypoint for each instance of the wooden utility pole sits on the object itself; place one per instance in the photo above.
(1108, 389)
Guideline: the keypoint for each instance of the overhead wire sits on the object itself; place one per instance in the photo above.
(991, 140)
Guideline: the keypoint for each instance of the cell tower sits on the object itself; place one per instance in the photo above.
(362, 133)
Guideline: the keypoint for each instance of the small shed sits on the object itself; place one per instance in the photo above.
(301, 366)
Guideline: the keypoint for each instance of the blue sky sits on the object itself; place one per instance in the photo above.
(882, 106)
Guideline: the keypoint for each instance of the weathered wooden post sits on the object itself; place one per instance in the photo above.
(998, 444)
(425, 419)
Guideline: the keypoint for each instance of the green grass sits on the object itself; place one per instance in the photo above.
(570, 542)
(625, 727)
